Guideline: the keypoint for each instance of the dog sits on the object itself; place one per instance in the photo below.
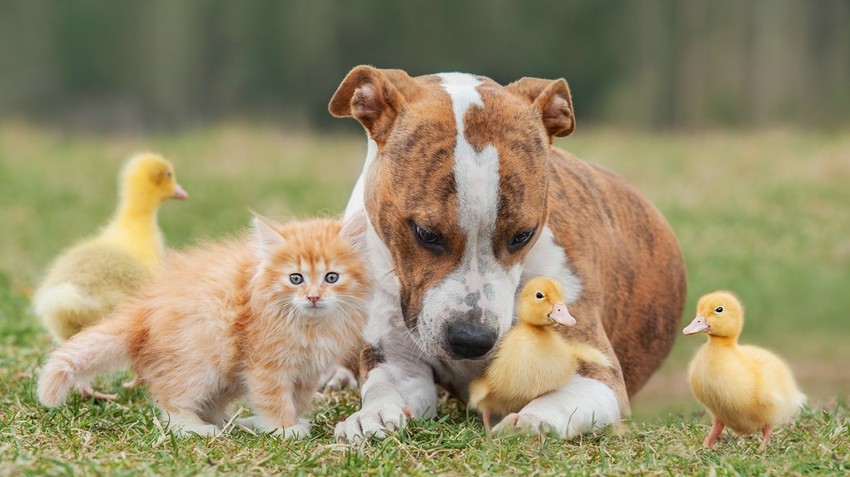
(467, 198)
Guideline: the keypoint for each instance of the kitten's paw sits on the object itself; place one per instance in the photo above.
(526, 423)
(246, 422)
(258, 424)
(372, 422)
(298, 431)
(336, 378)
(203, 430)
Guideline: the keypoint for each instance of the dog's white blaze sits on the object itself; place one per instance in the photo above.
(479, 280)
(476, 174)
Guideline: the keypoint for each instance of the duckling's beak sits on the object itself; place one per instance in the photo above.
(560, 315)
(179, 192)
(697, 326)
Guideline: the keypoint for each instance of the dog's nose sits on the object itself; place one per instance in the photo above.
(467, 340)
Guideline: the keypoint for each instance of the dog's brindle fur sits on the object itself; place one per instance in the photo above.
(627, 277)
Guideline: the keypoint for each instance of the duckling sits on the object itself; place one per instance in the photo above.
(744, 387)
(89, 279)
(533, 358)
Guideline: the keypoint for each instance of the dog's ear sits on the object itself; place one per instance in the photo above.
(552, 98)
(374, 97)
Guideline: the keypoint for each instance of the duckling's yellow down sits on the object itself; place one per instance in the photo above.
(533, 358)
(88, 280)
(744, 387)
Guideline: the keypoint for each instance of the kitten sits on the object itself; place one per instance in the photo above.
(262, 317)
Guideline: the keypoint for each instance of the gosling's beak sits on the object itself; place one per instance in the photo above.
(560, 315)
(697, 326)
(179, 193)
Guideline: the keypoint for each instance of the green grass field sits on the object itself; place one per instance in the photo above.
(764, 214)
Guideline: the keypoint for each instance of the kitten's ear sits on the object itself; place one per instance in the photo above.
(266, 237)
(354, 230)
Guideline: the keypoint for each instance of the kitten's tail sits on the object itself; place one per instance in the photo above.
(98, 349)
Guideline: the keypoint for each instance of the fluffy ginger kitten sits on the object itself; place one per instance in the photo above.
(261, 317)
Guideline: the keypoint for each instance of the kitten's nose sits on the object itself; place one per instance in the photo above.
(313, 298)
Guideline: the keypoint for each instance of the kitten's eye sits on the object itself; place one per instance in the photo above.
(539, 296)
(520, 240)
(332, 277)
(718, 310)
(296, 279)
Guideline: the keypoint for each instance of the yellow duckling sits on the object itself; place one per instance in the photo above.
(744, 387)
(533, 358)
(88, 280)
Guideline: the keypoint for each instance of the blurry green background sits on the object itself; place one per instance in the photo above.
(648, 64)
(733, 117)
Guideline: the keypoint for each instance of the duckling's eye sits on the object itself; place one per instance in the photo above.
(168, 174)
(718, 310)
(539, 296)
(332, 277)
(296, 279)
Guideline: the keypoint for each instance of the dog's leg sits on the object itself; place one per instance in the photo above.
(581, 405)
(394, 392)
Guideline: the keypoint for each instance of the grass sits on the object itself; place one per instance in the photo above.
(764, 214)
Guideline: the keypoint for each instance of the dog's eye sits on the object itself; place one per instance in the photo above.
(429, 238)
(718, 310)
(296, 279)
(520, 240)
(539, 296)
(332, 277)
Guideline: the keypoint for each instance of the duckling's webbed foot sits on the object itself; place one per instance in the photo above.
(716, 429)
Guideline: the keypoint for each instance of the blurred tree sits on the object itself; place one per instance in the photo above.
(118, 64)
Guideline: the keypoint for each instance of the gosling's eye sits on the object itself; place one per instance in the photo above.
(520, 240)
(332, 277)
(718, 310)
(539, 296)
(296, 279)
(428, 238)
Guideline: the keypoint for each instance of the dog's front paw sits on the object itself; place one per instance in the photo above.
(372, 422)
(336, 378)
(525, 423)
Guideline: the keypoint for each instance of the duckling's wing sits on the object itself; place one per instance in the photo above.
(526, 366)
(588, 354)
(776, 387)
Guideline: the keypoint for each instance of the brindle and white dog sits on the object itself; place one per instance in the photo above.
(467, 199)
